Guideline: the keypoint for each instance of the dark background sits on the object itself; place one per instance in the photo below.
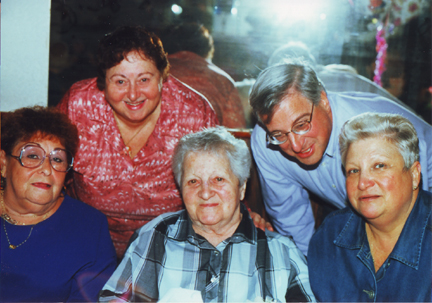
(246, 32)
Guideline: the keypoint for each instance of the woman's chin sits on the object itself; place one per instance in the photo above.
(209, 220)
(370, 213)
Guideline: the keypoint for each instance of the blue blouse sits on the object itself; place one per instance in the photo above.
(341, 266)
(67, 257)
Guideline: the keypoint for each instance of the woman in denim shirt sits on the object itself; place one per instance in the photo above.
(379, 249)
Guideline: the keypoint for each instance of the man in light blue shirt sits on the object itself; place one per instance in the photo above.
(295, 145)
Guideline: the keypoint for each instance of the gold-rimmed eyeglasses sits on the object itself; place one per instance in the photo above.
(33, 155)
(300, 128)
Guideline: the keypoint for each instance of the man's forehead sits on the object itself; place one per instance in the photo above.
(291, 107)
(293, 100)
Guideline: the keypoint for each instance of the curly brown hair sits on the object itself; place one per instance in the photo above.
(47, 122)
(114, 47)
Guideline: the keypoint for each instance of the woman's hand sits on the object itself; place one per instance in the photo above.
(260, 222)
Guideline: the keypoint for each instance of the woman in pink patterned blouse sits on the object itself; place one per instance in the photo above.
(129, 119)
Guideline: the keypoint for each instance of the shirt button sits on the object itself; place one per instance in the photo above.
(216, 253)
(370, 293)
(334, 186)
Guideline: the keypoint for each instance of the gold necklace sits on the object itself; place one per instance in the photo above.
(128, 149)
(11, 246)
(9, 219)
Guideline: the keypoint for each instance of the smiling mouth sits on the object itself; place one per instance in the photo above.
(134, 103)
(306, 153)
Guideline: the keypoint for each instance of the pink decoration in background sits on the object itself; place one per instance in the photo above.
(381, 49)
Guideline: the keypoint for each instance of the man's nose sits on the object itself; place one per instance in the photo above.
(296, 142)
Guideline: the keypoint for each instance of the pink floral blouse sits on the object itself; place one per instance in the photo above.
(130, 192)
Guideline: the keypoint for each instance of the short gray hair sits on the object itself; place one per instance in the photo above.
(394, 128)
(217, 141)
(276, 81)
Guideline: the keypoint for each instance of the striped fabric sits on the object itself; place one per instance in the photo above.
(249, 266)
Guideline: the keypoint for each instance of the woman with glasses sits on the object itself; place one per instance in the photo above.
(53, 248)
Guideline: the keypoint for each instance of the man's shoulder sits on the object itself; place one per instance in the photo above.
(360, 102)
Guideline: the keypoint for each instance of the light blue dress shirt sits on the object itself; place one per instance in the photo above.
(284, 183)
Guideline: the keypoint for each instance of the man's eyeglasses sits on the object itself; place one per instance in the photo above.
(33, 155)
(300, 128)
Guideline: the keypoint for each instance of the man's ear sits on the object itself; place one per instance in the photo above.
(324, 100)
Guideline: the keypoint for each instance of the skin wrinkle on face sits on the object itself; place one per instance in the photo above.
(32, 190)
(133, 89)
(308, 148)
(211, 194)
(378, 186)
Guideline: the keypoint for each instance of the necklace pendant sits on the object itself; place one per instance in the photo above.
(11, 246)
(127, 151)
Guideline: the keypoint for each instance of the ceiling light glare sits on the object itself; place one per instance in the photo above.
(176, 9)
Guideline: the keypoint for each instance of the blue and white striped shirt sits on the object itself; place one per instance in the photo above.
(167, 253)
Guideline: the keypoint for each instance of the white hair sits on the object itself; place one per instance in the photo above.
(394, 128)
(217, 141)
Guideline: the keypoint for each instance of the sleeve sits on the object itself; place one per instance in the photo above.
(123, 284)
(119, 286)
(299, 288)
(90, 279)
(210, 118)
(286, 202)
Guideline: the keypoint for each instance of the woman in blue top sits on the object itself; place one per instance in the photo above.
(380, 248)
(53, 248)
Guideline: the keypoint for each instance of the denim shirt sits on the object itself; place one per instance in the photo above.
(341, 266)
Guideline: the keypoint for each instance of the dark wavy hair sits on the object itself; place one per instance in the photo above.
(46, 122)
(114, 47)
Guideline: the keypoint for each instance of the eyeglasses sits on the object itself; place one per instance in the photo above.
(33, 155)
(300, 128)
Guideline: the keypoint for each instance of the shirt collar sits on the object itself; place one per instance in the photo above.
(182, 230)
(408, 247)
